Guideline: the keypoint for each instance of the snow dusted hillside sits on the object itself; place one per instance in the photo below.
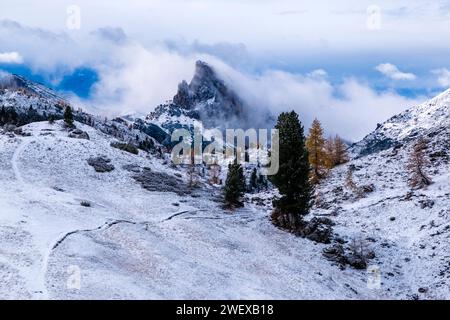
(433, 116)
(135, 230)
(409, 230)
(135, 243)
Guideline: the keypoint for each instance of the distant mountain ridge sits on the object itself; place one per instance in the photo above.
(429, 118)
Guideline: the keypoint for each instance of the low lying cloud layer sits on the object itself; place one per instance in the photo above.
(134, 78)
(351, 108)
(10, 57)
(443, 75)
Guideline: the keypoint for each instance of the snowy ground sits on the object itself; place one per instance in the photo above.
(132, 243)
(408, 230)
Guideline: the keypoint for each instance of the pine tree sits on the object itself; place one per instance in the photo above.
(68, 117)
(417, 164)
(316, 154)
(254, 180)
(234, 185)
(292, 178)
(340, 151)
(262, 182)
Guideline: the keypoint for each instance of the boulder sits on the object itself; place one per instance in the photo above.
(318, 229)
(335, 253)
(101, 164)
(356, 261)
(78, 134)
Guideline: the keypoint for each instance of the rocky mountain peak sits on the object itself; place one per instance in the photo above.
(206, 88)
(206, 98)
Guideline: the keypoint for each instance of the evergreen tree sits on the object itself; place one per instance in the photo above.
(254, 180)
(68, 117)
(417, 164)
(316, 153)
(234, 185)
(51, 119)
(292, 178)
(262, 182)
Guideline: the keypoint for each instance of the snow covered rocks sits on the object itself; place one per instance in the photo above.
(78, 134)
(318, 229)
(101, 164)
(158, 181)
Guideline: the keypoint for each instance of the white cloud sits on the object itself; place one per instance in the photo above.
(10, 57)
(351, 109)
(139, 80)
(391, 71)
(135, 78)
(318, 73)
(443, 76)
(142, 78)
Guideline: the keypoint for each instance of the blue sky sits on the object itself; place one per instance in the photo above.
(346, 62)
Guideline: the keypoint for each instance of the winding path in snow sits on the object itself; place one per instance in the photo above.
(35, 272)
(14, 161)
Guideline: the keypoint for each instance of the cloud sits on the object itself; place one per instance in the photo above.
(351, 108)
(318, 74)
(10, 57)
(235, 54)
(292, 12)
(138, 80)
(133, 78)
(443, 76)
(115, 35)
(391, 71)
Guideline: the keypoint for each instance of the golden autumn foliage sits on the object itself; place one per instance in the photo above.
(315, 144)
(324, 154)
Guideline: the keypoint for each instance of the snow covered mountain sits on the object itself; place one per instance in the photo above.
(409, 230)
(23, 101)
(208, 100)
(431, 117)
(81, 218)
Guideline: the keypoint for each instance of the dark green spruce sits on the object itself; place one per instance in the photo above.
(68, 117)
(234, 185)
(292, 179)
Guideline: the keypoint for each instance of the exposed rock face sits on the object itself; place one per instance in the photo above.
(101, 164)
(206, 98)
(206, 87)
(160, 182)
(78, 134)
(317, 229)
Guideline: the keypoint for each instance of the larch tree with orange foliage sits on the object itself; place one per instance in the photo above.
(315, 143)
(340, 151)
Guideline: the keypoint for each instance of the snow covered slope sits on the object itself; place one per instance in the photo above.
(129, 242)
(431, 116)
(137, 231)
(409, 230)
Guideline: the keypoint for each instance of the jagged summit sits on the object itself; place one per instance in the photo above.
(429, 118)
(204, 86)
(206, 98)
